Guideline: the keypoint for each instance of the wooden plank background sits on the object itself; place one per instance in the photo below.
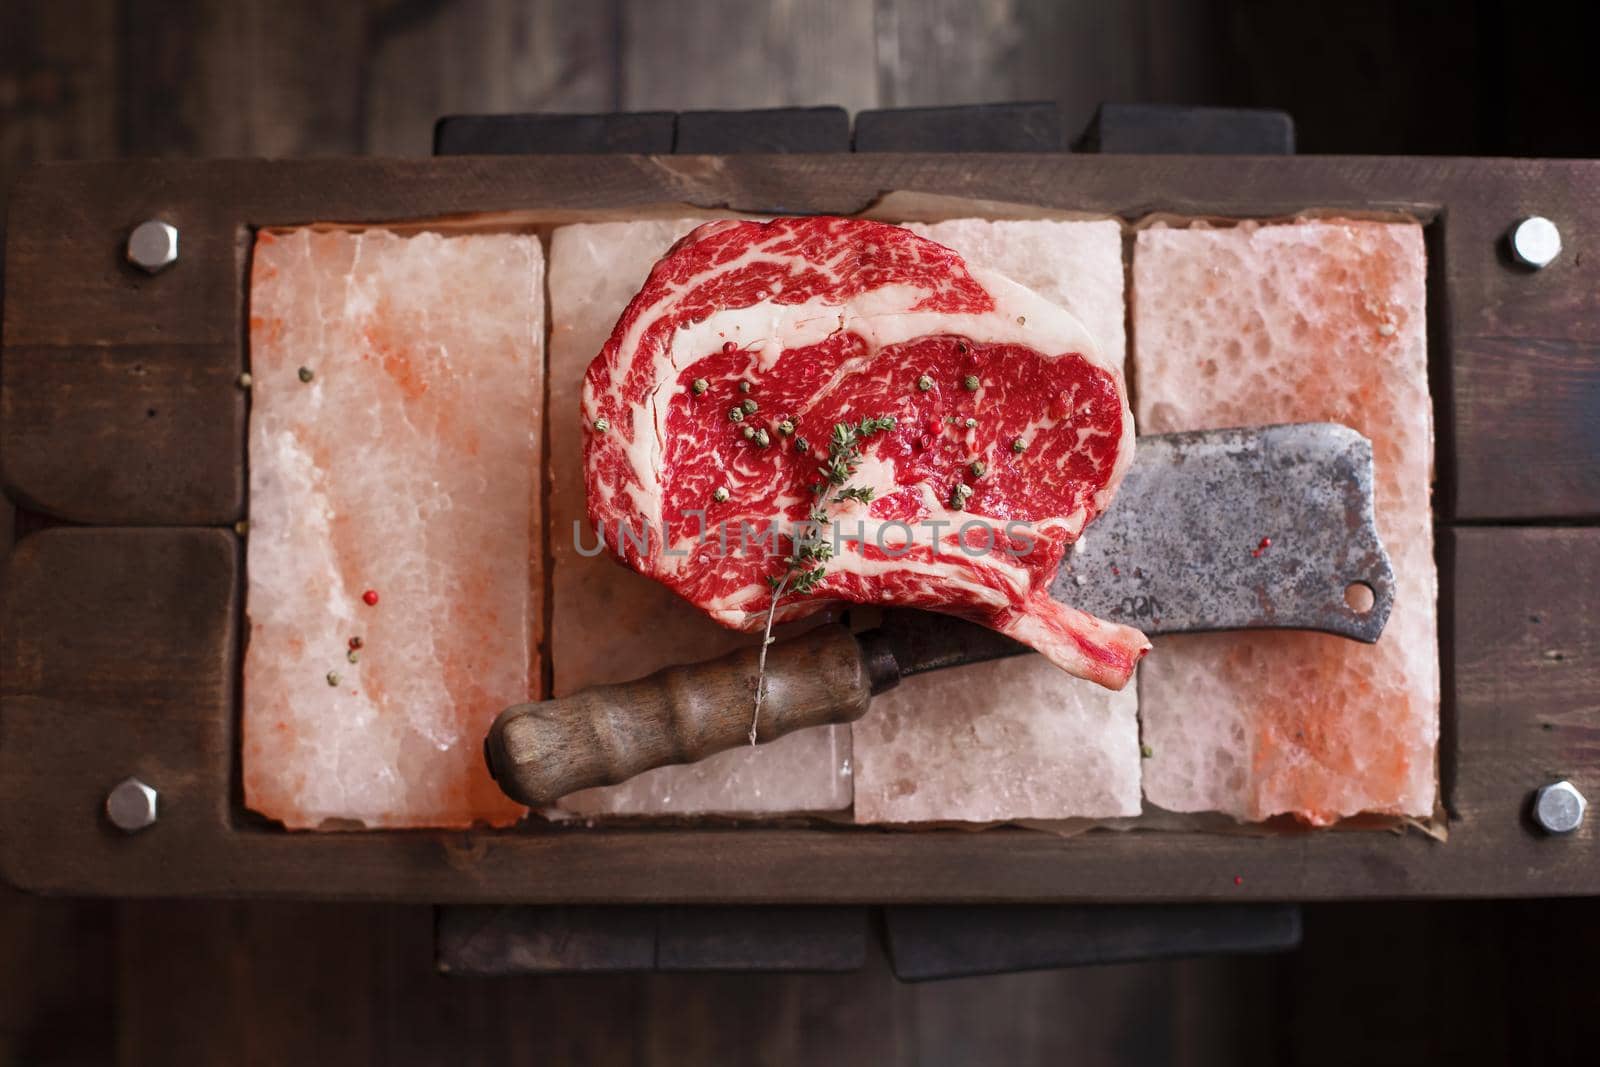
(92, 982)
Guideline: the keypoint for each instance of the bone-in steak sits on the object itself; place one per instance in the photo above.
(711, 409)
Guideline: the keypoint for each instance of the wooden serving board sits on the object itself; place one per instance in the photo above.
(120, 422)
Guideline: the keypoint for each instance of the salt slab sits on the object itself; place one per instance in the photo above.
(394, 449)
(609, 624)
(1285, 323)
(1015, 738)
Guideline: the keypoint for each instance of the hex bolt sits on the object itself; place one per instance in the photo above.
(131, 806)
(153, 245)
(1535, 241)
(1558, 808)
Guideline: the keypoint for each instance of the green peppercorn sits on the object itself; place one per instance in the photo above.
(720, 495)
(958, 496)
(786, 427)
(699, 386)
(749, 432)
(924, 383)
(305, 374)
(763, 438)
(1145, 752)
(971, 423)
(353, 656)
(750, 407)
(978, 468)
(602, 424)
(744, 387)
(970, 383)
(333, 677)
(802, 445)
(1019, 445)
(736, 414)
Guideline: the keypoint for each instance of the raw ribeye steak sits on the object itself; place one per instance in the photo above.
(766, 370)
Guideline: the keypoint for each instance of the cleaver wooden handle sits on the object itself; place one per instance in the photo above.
(541, 752)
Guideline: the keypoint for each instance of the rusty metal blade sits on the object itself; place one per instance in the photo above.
(1237, 530)
(1184, 547)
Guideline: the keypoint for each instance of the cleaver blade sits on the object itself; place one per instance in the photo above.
(1269, 527)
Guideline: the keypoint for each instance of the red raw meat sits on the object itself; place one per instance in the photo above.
(820, 321)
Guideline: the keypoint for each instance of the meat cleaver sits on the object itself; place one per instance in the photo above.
(1262, 528)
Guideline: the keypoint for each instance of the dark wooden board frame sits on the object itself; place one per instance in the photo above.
(120, 640)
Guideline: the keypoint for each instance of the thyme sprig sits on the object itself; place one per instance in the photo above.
(808, 562)
(861, 493)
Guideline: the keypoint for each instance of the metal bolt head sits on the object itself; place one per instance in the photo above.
(153, 245)
(1558, 808)
(131, 806)
(1535, 242)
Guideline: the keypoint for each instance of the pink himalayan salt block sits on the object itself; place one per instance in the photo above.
(1015, 738)
(394, 450)
(1283, 323)
(609, 624)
